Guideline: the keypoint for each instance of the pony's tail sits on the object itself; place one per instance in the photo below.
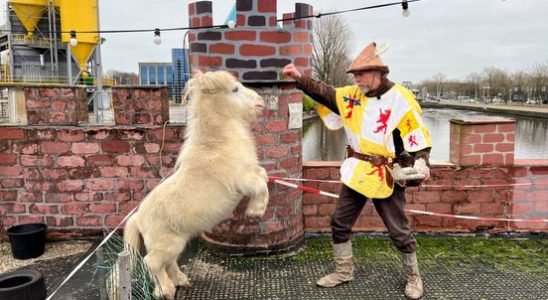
(132, 235)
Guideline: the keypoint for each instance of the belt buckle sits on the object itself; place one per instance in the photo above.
(376, 160)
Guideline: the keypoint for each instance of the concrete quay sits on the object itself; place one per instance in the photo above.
(515, 109)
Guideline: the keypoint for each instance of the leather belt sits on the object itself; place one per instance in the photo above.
(376, 160)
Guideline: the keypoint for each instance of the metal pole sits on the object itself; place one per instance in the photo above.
(55, 50)
(99, 93)
(50, 36)
(69, 65)
(11, 61)
(99, 99)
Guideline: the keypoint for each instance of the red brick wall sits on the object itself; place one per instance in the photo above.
(256, 50)
(482, 180)
(482, 141)
(80, 179)
(517, 191)
(55, 105)
(140, 105)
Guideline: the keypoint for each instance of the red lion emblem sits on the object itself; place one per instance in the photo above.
(383, 120)
(379, 170)
(352, 101)
(412, 140)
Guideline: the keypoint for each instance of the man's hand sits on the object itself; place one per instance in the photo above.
(418, 173)
(421, 168)
(291, 71)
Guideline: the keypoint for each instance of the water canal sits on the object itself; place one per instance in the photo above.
(531, 136)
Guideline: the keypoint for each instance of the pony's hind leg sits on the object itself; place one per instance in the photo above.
(174, 272)
(158, 266)
(161, 252)
(177, 276)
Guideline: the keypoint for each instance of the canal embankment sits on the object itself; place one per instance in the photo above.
(534, 111)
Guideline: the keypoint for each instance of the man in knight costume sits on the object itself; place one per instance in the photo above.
(389, 148)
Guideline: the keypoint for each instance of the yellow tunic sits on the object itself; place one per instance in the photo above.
(369, 123)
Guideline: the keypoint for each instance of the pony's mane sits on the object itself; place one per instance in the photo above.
(208, 83)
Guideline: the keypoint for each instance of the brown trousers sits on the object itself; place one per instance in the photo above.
(390, 210)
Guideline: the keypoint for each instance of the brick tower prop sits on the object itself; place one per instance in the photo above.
(255, 51)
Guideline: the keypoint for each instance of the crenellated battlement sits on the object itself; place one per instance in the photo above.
(257, 48)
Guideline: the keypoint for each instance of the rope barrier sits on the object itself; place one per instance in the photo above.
(276, 179)
(424, 186)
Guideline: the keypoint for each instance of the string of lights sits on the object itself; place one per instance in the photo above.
(231, 24)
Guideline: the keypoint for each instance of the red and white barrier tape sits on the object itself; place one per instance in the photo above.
(413, 211)
(430, 186)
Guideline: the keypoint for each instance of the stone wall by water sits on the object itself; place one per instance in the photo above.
(482, 179)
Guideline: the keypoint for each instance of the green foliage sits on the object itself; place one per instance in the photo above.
(308, 104)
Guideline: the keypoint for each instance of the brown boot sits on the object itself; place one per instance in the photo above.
(344, 270)
(414, 288)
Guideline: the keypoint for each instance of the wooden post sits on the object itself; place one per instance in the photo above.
(101, 273)
(124, 273)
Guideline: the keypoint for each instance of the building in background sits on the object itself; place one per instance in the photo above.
(174, 74)
(35, 42)
(157, 73)
(181, 72)
(414, 88)
(50, 41)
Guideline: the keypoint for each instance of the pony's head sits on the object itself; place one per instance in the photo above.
(220, 90)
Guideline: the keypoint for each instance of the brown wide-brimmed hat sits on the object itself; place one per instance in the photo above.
(368, 60)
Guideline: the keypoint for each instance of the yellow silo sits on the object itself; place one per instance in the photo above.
(29, 12)
(80, 16)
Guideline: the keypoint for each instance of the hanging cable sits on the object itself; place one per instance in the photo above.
(232, 25)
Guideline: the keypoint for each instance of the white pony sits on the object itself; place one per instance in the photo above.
(217, 166)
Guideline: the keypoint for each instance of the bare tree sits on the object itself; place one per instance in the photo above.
(519, 84)
(122, 78)
(529, 86)
(330, 58)
(474, 80)
(538, 82)
(439, 78)
(498, 83)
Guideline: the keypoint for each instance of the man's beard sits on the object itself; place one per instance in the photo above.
(364, 89)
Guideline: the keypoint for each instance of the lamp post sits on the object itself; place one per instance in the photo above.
(185, 69)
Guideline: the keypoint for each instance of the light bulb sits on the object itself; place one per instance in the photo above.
(231, 24)
(405, 13)
(157, 39)
(73, 41)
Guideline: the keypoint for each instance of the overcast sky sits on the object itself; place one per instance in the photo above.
(453, 37)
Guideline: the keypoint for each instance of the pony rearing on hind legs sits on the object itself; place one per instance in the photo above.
(217, 166)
